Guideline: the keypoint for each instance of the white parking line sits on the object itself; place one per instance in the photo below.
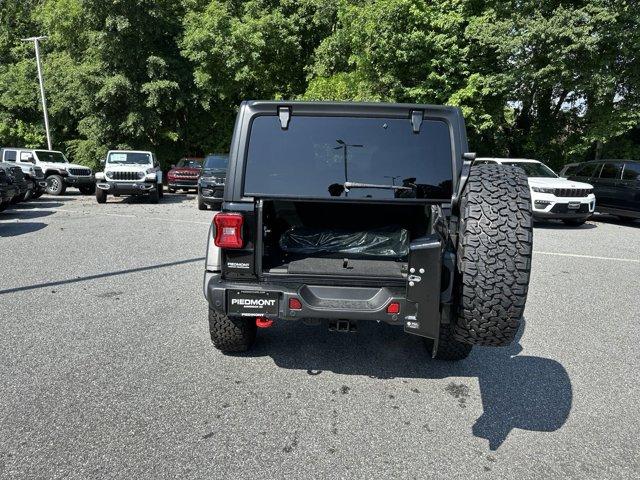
(613, 259)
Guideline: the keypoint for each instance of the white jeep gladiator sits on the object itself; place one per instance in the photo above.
(128, 172)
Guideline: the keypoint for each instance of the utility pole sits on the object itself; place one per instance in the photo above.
(344, 146)
(35, 41)
(393, 179)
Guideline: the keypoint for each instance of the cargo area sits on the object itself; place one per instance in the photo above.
(340, 238)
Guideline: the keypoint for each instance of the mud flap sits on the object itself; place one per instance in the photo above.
(423, 288)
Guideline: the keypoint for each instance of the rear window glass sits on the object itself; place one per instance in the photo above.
(611, 170)
(9, 155)
(377, 158)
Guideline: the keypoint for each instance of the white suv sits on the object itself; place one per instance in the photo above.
(53, 165)
(129, 172)
(553, 197)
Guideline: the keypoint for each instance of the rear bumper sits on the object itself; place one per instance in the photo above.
(318, 302)
(423, 300)
(132, 188)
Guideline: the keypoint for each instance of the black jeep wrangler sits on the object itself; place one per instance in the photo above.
(345, 212)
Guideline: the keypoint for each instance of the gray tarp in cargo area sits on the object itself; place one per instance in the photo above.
(380, 242)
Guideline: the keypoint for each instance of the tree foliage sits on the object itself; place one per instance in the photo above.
(549, 79)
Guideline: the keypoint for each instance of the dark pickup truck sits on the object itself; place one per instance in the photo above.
(344, 212)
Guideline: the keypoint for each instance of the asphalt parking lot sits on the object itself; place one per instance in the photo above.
(106, 368)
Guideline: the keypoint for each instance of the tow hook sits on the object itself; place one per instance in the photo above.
(262, 322)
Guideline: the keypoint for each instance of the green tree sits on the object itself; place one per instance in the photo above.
(560, 67)
(251, 50)
(114, 74)
(20, 114)
(557, 80)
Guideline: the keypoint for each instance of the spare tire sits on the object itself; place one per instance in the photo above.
(495, 242)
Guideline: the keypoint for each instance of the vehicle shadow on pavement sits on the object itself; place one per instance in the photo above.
(98, 275)
(24, 214)
(525, 392)
(13, 229)
(610, 219)
(35, 204)
(168, 198)
(172, 198)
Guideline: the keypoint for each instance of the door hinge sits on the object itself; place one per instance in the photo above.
(284, 113)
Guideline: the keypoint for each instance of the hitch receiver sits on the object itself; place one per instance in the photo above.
(344, 326)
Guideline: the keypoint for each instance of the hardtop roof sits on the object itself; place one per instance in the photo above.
(130, 151)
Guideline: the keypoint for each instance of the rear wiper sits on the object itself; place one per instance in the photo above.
(349, 185)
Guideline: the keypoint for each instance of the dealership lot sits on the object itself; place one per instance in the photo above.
(106, 369)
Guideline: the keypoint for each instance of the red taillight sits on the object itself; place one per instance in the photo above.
(228, 230)
(295, 304)
(394, 307)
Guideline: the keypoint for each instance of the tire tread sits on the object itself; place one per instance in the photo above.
(231, 334)
(494, 257)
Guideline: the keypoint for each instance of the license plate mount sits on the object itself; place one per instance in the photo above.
(249, 303)
(574, 206)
